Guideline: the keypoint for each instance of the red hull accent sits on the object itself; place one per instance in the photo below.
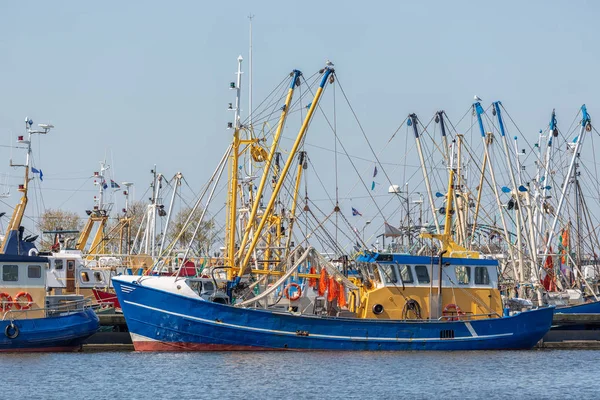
(151, 345)
(103, 296)
(42, 349)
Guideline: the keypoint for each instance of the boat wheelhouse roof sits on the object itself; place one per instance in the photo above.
(5, 258)
(410, 259)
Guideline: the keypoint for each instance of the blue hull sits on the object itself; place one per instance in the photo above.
(585, 308)
(59, 333)
(159, 320)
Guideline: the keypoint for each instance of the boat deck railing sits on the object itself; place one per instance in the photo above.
(468, 317)
(64, 307)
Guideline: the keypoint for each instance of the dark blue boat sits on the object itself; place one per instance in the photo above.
(63, 332)
(161, 319)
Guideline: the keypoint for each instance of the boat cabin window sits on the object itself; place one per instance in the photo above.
(481, 276)
(463, 275)
(98, 276)
(422, 273)
(10, 273)
(385, 257)
(388, 273)
(58, 264)
(34, 271)
(208, 286)
(85, 277)
(405, 273)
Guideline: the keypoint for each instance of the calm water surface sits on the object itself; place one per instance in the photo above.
(536, 374)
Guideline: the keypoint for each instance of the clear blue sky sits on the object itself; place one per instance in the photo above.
(146, 81)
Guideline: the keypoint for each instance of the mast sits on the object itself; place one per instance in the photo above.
(586, 124)
(272, 154)
(12, 239)
(328, 70)
(178, 176)
(412, 118)
(486, 144)
(233, 170)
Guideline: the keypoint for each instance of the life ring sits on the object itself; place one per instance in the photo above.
(456, 309)
(19, 301)
(6, 302)
(11, 331)
(295, 296)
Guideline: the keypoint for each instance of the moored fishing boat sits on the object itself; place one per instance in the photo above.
(31, 319)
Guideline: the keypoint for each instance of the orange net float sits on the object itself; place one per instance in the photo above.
(456, 309)
(342, 296)
(23, 301)
(312, 282)
(333, 291)
(297, 294)
(6, 302)
(323, 282)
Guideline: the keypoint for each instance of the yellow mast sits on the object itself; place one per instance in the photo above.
(17, 216)
(284, 113)
(327, 72)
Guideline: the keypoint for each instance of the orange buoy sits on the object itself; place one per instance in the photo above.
(297, 293)
(333, 291)
(456, 309)
(23, 301)
(6, 302)
(323, 282)
(312, 282)
(342, 296)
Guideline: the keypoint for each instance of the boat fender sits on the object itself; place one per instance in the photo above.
(296, 295)
(33, 252)
(6, 302)
(11, 331)
(23, 297)
(377, 309)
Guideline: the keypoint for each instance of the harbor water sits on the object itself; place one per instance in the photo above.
(535, 374)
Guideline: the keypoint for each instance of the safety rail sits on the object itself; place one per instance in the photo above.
(467, 317)
(64, 307)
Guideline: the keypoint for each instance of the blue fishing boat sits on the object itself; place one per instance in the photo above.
(31, 319)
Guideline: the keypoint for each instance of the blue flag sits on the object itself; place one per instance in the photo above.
(114, 184)
(375, 172)
(355, 212)
(38, 171)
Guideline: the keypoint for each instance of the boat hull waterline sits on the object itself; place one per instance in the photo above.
(60, 333)
(162, 321)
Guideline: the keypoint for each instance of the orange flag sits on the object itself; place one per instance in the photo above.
(323, 282)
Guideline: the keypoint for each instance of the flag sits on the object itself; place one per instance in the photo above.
(38, 171)
(375, 172)
(373, 185)
(355, 212)
(391, 231)
(104, 185)
(114, 184)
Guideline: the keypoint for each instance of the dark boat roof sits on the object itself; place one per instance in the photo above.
(5, 258)
(425, 260)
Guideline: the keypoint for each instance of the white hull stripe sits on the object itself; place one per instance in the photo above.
(470, 328)
(313, 335)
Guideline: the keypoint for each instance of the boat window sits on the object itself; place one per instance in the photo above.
(208, 286)
(98, 276)
(85, 277)
(388, 273)
(481, 276)
(58, 264)
(385, 257)
(10, 273)
(405, 273)
(422, 274)
(34, 271)
(463, 275)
